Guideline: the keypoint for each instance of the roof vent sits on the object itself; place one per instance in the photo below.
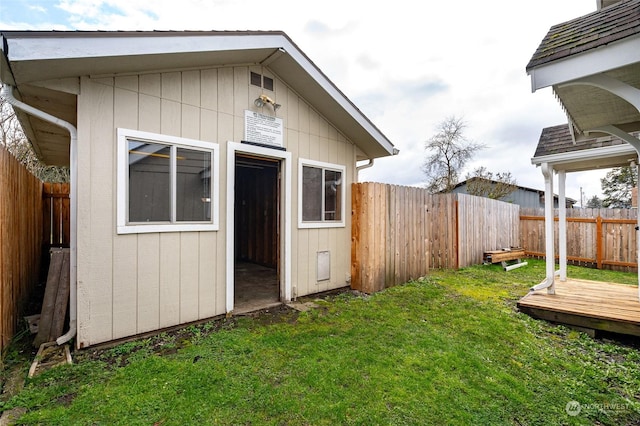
(261, 81)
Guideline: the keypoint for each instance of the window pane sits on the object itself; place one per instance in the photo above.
(311, 194)
(332, 195)
(193, 185)
(149, 182)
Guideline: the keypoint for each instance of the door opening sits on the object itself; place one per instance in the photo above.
(256, 232)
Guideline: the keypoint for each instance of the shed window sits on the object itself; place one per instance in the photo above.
(321, 194)
(166, 183)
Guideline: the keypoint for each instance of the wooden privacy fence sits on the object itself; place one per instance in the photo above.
(601, 238)
(485, 224)
(55, 215)
(399, 233)
(20, 241)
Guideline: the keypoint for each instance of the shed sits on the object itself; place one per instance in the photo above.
(197, 159)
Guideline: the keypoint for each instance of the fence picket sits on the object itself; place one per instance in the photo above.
(20, 241)
(400, 232)
(601, 238)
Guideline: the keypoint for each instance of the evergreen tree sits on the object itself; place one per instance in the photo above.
(594, 203)
(617, 185)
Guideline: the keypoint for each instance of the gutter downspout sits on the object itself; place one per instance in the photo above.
(395, 151)
(364, 166)
(7, 93)
(548, 283)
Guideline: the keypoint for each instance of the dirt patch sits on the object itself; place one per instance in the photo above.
(170, 341)
(49, 355)
(66, 400)
(167, 342)
(274, 315)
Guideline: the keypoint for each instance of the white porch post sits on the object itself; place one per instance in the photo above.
(562, 224)
(630, 94)
(638, 225)
(547, 172)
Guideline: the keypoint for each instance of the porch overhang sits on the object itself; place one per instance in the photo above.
(592, 64)
(589, 107)
(605, 43)
(46, 66)
(591, 159)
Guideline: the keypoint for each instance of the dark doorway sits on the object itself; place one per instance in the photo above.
(257, 233)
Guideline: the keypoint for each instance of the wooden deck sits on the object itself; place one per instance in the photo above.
(586, 304)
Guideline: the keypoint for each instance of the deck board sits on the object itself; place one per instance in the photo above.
(590, 304)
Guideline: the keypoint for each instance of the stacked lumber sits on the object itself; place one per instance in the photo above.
(56, 298)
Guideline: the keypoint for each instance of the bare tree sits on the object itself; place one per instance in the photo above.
(449, 151)
(484, 183)
(12, 137)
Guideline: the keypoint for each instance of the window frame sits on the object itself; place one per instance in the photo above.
(322, 223)
(123, 226)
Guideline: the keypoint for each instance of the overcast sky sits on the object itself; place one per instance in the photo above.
(406, 64)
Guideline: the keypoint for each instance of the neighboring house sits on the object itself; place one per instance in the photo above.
(193, 150)
(592, 64)
(522, 196)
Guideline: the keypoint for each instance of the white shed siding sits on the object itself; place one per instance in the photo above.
(135, 283)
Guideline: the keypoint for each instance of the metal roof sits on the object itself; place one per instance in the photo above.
(523, 188)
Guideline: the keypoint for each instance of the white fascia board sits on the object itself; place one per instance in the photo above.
(79, 45)
(337, 95)
(602, 59)
(585, 154)
(91, 46)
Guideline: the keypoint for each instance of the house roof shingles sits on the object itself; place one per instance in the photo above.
(610, 24)
(558, 139)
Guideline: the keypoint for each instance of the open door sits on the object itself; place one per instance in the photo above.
(256, 232)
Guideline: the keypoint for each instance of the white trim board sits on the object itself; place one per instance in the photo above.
(285, 259)
(605, 58)
(122, 224)
(324, 166)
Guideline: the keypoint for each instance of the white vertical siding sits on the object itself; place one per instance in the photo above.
(96, 195)
(135, 283)
(125, 257)
(169, 297)
(148, 283)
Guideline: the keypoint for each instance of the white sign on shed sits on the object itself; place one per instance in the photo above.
(263, 129)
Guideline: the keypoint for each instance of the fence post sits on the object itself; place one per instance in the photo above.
(456, 261)
(356, 211)
(599, 241)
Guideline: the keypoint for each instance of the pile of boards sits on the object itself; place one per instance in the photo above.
(504, 256)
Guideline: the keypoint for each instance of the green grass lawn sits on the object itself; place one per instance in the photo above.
(447, 349)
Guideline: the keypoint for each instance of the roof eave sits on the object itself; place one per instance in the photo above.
(604, 58)
(32, 50)
(573, 161)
